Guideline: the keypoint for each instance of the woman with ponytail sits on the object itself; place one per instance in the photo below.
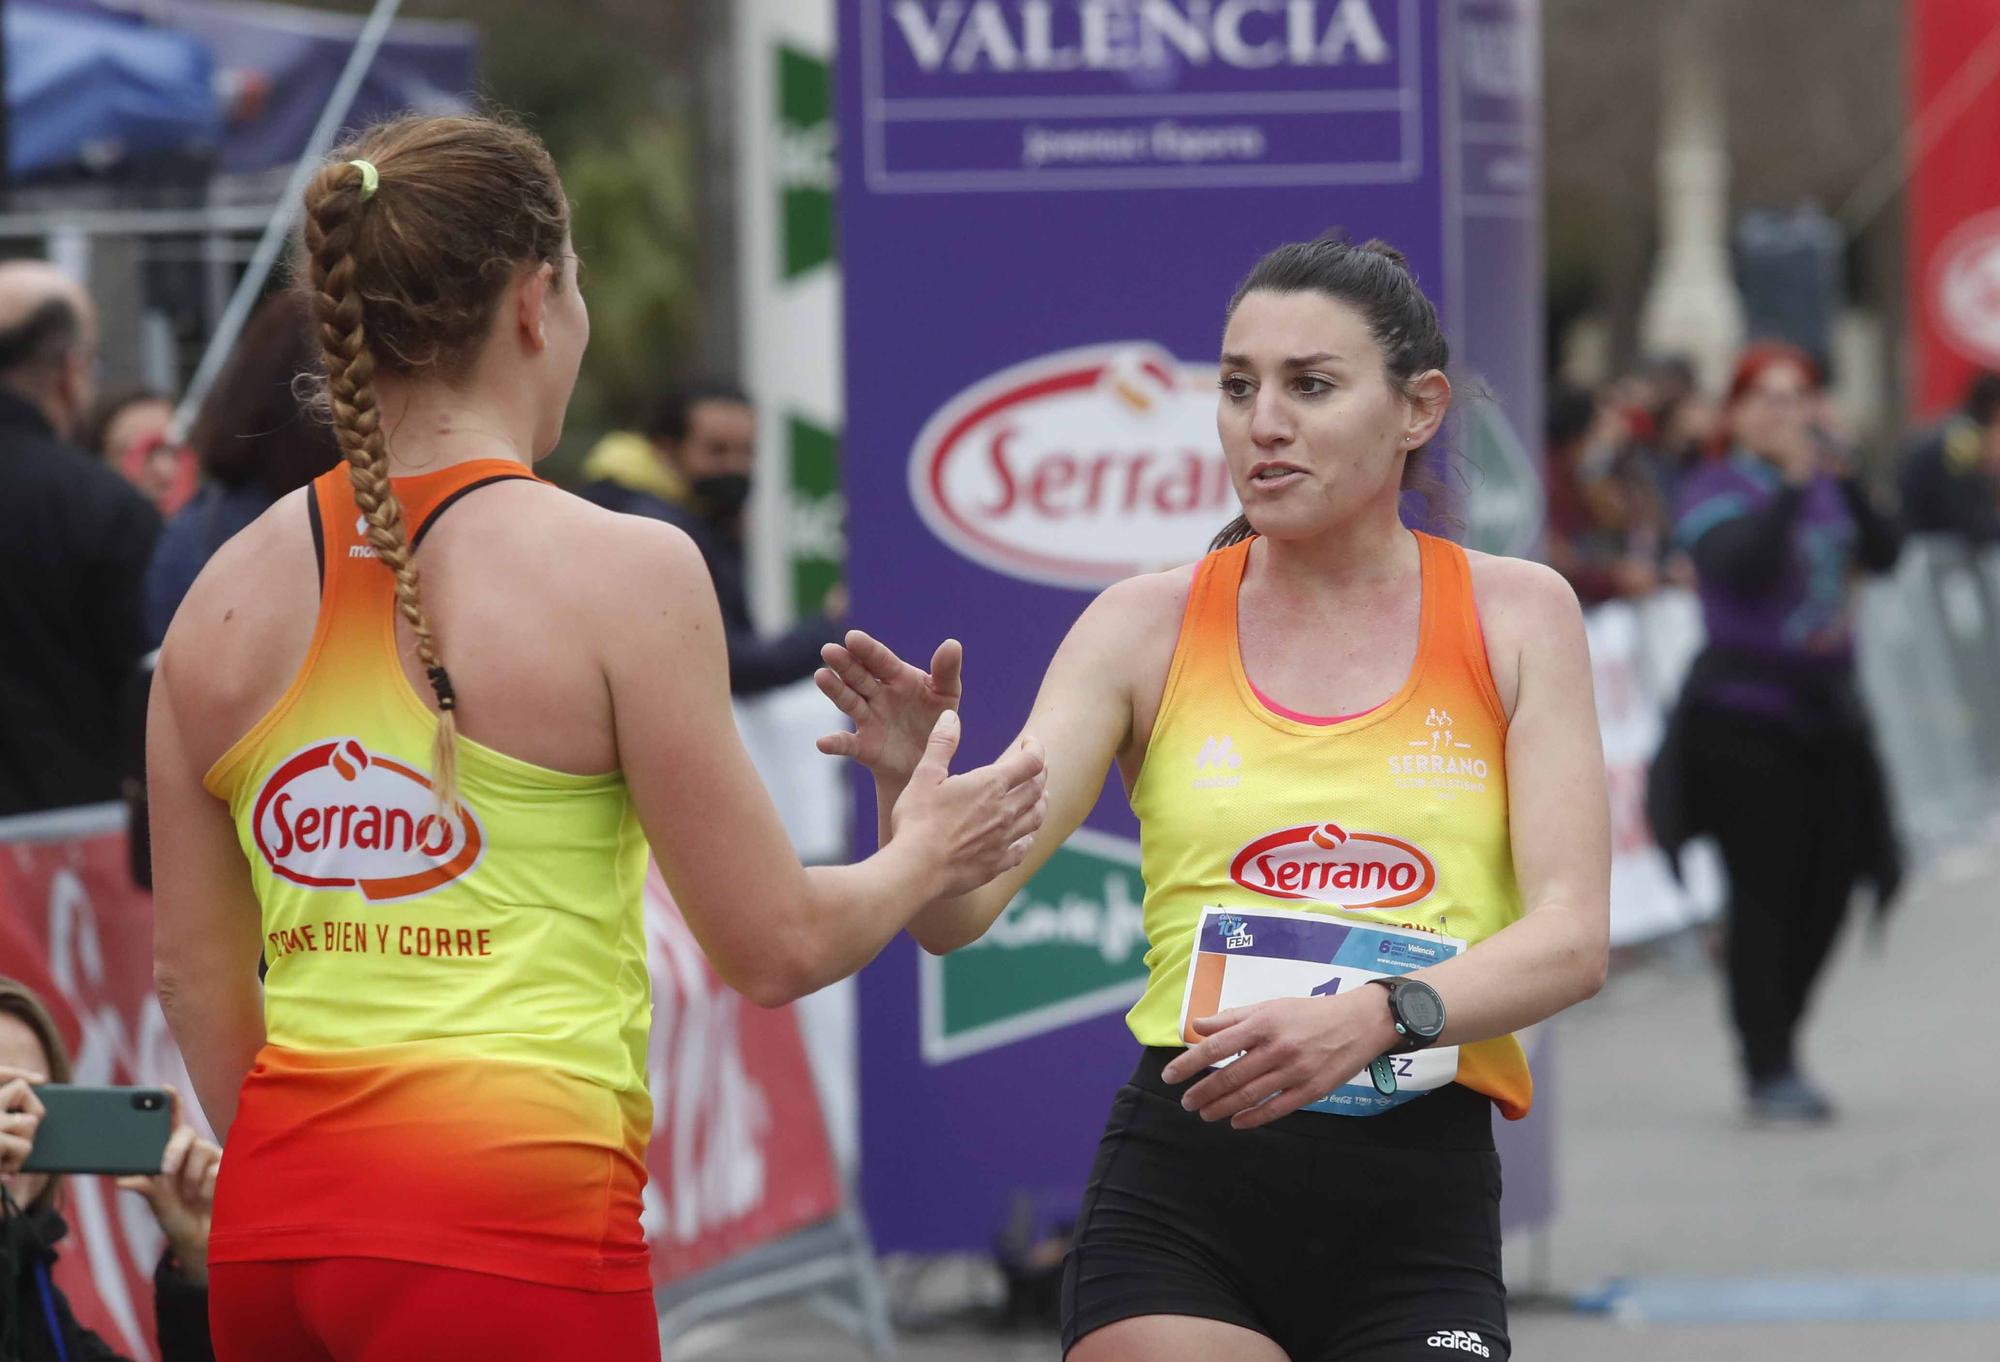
(411, 734)
(1340, 734)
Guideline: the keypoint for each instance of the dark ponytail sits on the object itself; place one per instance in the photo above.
(1374, 278)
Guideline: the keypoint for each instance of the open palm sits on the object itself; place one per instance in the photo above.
(894, 705)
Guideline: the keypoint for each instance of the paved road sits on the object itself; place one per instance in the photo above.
(1661, 1181)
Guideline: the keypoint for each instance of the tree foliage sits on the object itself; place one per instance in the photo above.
(611, 90)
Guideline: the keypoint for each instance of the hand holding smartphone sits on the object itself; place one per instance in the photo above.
(20, 1116)
(100, 1130)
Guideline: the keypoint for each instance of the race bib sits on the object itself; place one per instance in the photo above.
(1252, 955)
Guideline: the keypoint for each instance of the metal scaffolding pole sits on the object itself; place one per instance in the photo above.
(279, 228)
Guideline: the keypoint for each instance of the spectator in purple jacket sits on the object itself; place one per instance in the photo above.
(1771, 750)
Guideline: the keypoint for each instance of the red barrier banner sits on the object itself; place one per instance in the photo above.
(1954, 197)
(739, 1155)
(74, 929)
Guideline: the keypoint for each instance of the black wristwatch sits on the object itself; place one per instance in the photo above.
(1417, 1011)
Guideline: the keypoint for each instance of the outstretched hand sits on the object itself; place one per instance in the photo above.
(977, 826)
(894, 706)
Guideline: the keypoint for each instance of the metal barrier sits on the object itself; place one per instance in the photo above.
(1929, 638)
(1639, 653)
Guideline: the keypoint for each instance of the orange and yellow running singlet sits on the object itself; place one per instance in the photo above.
(456, 1008)
(1395, 817)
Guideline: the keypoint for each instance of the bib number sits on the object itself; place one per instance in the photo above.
(1244, 956)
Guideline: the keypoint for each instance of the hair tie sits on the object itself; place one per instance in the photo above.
(370, 178)
(441, 684)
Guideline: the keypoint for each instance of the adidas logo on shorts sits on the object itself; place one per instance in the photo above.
(1460, 1341)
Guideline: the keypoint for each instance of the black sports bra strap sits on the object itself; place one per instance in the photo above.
(318, 533)
(437, 512)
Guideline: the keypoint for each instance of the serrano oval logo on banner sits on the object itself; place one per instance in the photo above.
(337, 816)
(1323, 863)
(1079, 468)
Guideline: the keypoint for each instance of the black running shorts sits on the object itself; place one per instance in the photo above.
(1342, 1238)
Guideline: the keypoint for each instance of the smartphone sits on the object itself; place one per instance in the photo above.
(100, 1130)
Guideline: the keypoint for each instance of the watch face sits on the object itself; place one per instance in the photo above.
(1419, 1009)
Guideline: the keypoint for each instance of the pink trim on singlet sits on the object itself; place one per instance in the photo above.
(1318, 721)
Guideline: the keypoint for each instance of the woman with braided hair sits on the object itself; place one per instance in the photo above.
(480, 699)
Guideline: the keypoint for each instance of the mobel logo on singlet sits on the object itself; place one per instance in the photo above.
(1324, 863)
(1079, 468)
(337, 816)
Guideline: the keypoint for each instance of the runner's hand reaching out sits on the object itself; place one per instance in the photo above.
(894, 706)
(978, 825)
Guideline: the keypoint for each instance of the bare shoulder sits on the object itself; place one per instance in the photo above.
(621, 587)
(247, 567)
(1517, 591)
(243, 626)
(1122, 646)
(608, 556)
(1528, 612)
(255, 577)
(1139, 608)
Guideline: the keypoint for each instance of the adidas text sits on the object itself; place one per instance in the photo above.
(1460, 1341)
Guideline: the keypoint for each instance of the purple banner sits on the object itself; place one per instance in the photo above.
(1041, 97)
(1044, 210)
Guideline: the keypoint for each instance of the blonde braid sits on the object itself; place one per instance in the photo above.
(333, 215)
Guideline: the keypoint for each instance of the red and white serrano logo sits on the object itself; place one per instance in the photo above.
(1079, 468)
(337, 816)
(1323, 863)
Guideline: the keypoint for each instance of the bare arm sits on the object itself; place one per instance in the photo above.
(206, 921)
(1083, 718)
(1559, 823)
(773, 929)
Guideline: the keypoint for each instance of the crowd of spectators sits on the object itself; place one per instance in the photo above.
(1620, 457)
(113, 513)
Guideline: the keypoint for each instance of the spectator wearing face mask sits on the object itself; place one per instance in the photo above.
(693, 471)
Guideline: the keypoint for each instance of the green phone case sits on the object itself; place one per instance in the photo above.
(100, 1130)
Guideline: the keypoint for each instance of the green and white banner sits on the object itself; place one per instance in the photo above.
(1072, 945)
(790, 300)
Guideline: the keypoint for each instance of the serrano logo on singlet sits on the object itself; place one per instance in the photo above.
(337, 816)
(1323, 863)
(1079, 468)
